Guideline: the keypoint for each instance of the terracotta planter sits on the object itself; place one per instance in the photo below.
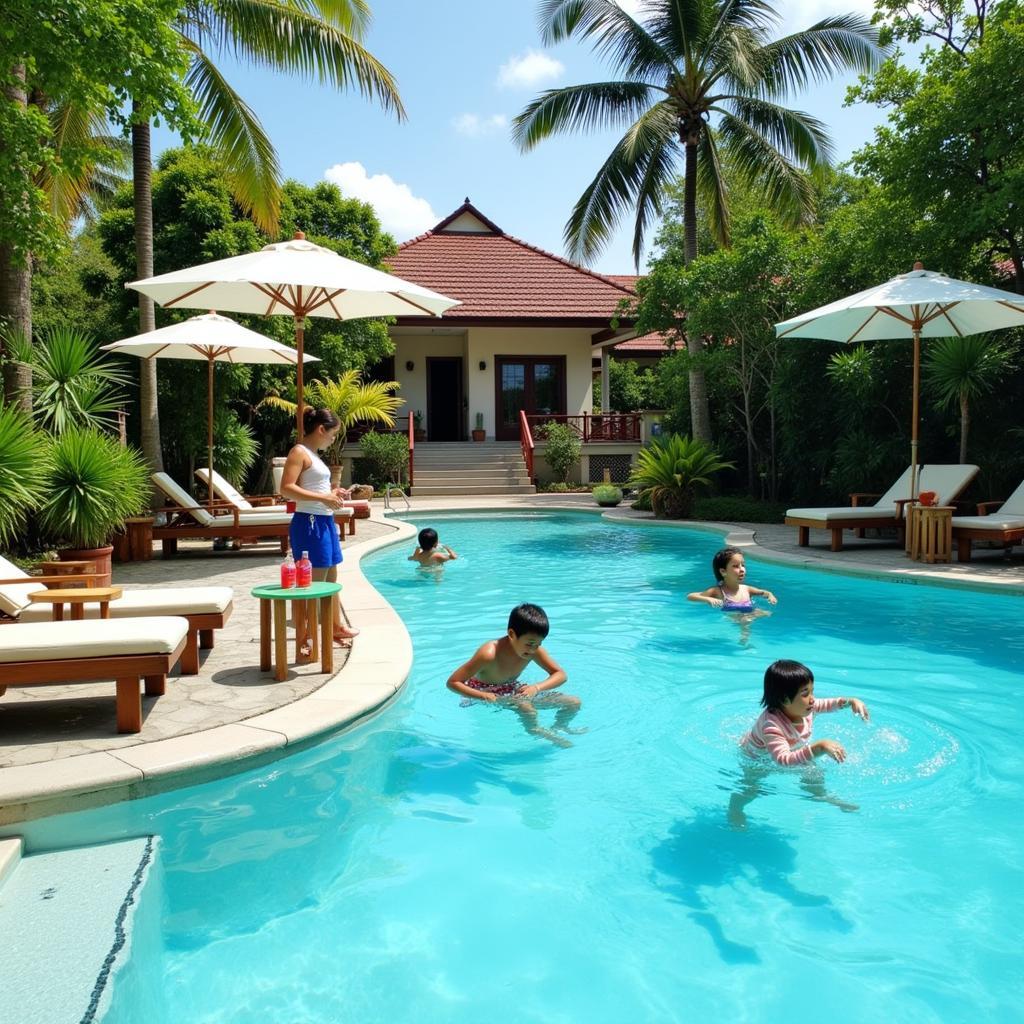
(419, 434)
(100, 557)
(479, 435)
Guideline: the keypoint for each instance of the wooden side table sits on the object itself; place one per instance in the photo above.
(78, 599)
(273, 603)
(933, 533)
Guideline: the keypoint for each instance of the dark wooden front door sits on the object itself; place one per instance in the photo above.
(534, 384)
(444, 399)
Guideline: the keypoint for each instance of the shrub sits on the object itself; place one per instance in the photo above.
(22, 470)
(235, 449)
(94, 485)
(607, 495)
(562, 448)
(386, 456)
(671, 470)
(739, 509)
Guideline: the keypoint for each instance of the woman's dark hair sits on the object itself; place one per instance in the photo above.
(783, 680)
(721, 560)
(428, 538)
(313, 418)
(529, 618)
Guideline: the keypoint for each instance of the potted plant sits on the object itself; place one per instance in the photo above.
(607, 495)
(479, 434)
(418, 433)
(94, 485)
(671, 470)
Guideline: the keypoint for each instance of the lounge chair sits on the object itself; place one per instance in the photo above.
(187, 520)
(125, 650)
(1005, 525)
(360, 506)
(205, 608)
(946, 481)
(265, 502)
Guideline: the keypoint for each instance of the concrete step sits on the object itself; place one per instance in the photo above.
(428, 490)
(471, 472)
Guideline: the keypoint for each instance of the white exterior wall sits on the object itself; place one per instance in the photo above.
(484, 343)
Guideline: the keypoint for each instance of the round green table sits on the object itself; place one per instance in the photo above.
(276, 598)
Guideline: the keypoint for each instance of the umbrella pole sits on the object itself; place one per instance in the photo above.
(209, 430)
(914, 414)
(299, 339)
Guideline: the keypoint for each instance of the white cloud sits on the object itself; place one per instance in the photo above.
(475, 125)
(531, 69)
(400, 212)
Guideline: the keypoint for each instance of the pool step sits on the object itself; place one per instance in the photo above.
(68, 921)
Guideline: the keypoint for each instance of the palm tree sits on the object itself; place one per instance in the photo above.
(688, 64)
(318, 39)
(963, 369)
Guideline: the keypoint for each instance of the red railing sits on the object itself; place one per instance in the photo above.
(592, 428)
(412, 446)
(526, 443)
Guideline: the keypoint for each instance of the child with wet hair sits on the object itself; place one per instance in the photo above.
(429, 554)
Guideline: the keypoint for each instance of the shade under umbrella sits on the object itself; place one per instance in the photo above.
(296, 278)
(920, 304)
(210, 338)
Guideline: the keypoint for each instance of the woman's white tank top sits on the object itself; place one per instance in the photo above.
(316, 477)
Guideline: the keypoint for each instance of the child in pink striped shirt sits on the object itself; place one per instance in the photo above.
(784, 728)
(783, 733)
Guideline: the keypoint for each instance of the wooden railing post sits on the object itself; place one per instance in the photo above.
(526, 443)
(412, 447)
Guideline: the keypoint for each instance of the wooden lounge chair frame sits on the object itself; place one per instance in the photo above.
(965, 535)
(127, 670)
(857, 500)
(201, 626)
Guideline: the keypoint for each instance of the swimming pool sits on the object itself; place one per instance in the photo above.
(440, 865)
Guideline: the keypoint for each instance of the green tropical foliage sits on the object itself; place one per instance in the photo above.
(350, 399)
(235, 449)
(562, 448)
(93, 486)
(700, 81)
(23, 470)
(670, 472)
(73, 384)
(386, 456)
(607, 495)
(962, 370)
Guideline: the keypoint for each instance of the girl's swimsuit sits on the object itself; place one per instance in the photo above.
(729, 605)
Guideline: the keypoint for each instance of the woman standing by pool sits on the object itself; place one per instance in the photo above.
(306, 480)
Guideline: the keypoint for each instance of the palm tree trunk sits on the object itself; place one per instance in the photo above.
(964, 423)
(700, 415)
(16, 288)
(142, 184)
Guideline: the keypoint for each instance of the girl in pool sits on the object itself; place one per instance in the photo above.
(730, 593)
(783, 733)
(307, 481)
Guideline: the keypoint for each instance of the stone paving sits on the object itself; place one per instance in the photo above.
(45, 723)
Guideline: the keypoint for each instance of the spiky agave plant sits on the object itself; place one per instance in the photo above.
(671, 471)
(23, 470)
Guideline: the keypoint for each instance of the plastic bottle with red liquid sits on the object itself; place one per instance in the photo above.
(288, 573)
(304, 571)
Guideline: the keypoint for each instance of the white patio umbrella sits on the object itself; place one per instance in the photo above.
(296, 278)
(921, 304)
(212, 338)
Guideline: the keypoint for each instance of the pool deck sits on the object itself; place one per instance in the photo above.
(59, 750)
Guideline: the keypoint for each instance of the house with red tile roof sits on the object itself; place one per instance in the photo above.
(524, 338)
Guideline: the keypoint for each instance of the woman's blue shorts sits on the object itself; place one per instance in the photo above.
(317, 535)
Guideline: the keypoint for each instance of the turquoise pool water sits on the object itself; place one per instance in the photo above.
(439, 865)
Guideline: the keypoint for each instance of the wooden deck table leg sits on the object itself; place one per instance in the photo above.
(280, 642)
(129, 705)
(190, 656)
(265, 628)
(803, 536)
(58, 612)
(314, 637)
(327, 634)
(104, 609)
(206, 638)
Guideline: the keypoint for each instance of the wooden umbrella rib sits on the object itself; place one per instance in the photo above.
(276, 295)
(415, 305)
(853, 336)
(1011, 305)
(157, 352)
(944, 312)
(188, 294)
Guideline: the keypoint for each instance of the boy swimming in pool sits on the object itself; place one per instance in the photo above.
(429, 554)
(492, 675)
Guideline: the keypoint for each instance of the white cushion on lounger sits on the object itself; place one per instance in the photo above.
(181, 497)
(158, 601)
(841, 512)
(946, 481)
(224, 489)
(14, 596)
(104, 638)
(997, 523)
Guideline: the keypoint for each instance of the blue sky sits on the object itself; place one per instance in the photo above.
(465, 68)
